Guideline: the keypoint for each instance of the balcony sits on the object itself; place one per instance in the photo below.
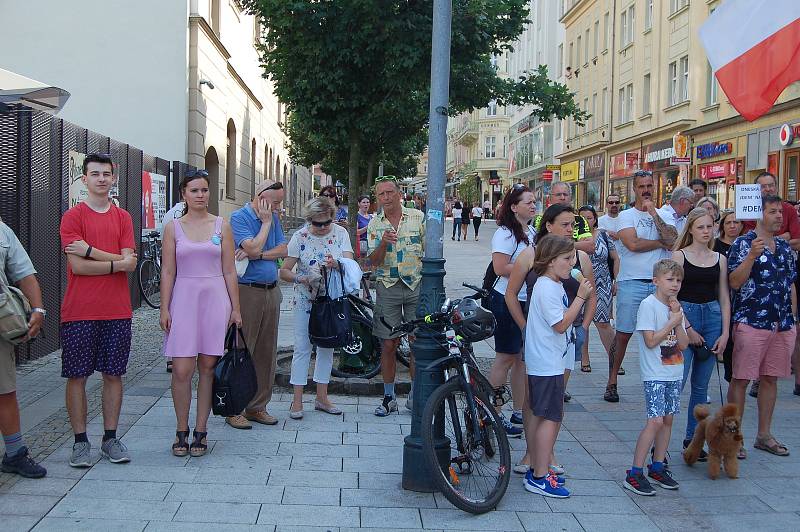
(466, 133)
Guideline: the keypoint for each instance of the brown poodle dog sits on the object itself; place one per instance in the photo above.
(724, 436)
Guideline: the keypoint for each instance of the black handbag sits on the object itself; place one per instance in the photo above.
(329, 323)
(235, 382)
(702, 352)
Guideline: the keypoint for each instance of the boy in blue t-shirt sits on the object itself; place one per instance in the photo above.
(660, 325)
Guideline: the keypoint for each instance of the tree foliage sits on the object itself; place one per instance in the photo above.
(355, 76)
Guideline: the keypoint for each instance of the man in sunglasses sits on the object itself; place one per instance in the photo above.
(258, 235)
(610, 220)
(396, 238)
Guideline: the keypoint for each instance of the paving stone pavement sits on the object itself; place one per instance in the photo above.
(343, 473)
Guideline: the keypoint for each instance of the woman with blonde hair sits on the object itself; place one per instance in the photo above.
(705, 300)
(321, 242)
(712, 207)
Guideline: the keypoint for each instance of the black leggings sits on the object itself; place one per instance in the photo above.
(476, 223)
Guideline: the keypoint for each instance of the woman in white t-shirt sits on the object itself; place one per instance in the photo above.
(457, 208)
(477, 216)
(321, 242)
(511, 238)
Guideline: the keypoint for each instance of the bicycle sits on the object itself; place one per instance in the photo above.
(361, 358)
(149, 269)
(473, 474)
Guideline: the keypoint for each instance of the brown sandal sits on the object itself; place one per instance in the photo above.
(777, 448)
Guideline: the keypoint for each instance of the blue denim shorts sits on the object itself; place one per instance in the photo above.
(630, 295)
(662, 398)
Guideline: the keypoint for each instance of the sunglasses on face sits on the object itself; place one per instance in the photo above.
(382, 178)
(612, 202)
(328, 195)
(196, 173)
(321, 224)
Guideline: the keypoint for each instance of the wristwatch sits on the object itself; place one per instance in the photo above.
(40, 310)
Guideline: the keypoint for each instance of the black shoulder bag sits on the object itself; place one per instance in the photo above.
(235, 382)
(329, 323)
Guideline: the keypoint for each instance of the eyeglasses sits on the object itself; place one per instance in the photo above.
(382, 178)
(199, 172)
(328, 195)
(612, 202)
(321, 224)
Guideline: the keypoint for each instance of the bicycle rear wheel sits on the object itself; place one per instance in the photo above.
(149, 275)
(478, 469)
(361, 358)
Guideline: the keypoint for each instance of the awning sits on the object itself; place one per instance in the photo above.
(19, 90)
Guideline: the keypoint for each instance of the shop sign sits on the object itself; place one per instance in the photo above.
(494, 181)
(554, 167)
(624, 164)
(659, 155)
(788, 133)
(718, 170)
(715, 149)
(594, 166)
(525, 124)
(547, 175)
(680, 149)
(570, 171)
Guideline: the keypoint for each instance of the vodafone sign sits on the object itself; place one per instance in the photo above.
(788, 133)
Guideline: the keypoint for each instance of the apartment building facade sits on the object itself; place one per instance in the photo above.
(533, 144)
(652, 81)
(477, 146)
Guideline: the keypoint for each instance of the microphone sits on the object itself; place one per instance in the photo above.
(577, 275)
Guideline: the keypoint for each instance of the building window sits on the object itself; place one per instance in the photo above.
(675, 5)
(214, 14)
(578, 52)
(557, 126)
(230, 162)
(648, 15)
(606, 29)
(571, 46)
(505, 154)
(605, 106)
(646, 95)
(491, 147)
(585, 110)
(673, 83)
(586, 49)
(684, 78)
(626, 104)
(560, 59)
(627, 24)
(253, 176)
(491, 110)
(711, 86)
(596, 37)
(594, 111)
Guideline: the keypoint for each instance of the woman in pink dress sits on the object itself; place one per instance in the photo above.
(199, 299)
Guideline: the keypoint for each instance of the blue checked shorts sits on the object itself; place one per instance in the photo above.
(95, 345)
(662, 398)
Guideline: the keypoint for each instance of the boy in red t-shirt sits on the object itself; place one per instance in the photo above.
(97, 237)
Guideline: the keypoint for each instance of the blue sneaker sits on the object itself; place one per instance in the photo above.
(548, 486)
(516, 418)
(512, 431)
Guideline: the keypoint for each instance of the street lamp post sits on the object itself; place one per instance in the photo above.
(427, 348)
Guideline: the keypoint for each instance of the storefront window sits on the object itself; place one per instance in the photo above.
(624, 189)
(792, 164)
(594, 194)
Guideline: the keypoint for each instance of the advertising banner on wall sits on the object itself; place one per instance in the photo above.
(77, 190)
(154, 200)
(570, 171)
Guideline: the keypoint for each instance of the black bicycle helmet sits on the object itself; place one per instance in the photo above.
(472, 321)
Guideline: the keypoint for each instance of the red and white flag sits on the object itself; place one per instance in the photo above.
(754, 47)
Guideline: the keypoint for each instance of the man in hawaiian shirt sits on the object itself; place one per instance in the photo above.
(762, 272)
(396, 238)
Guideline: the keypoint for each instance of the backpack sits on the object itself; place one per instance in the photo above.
(15, 312)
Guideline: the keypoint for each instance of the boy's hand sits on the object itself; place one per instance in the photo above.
(585, 289)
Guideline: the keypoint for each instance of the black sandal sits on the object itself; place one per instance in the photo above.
(198, 448)
(180, 447)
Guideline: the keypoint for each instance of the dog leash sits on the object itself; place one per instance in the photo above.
(719, 381)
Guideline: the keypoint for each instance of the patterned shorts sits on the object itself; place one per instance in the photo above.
(95, 345)
(662, 398)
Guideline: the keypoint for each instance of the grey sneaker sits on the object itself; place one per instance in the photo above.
(388, 406)
(81, 455)
(115, 451)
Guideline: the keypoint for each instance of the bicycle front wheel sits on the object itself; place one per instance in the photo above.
(150, 282)
(478, 468)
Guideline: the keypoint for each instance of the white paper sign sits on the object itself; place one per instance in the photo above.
(748, 202)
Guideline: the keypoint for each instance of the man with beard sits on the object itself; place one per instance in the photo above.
(644, 239)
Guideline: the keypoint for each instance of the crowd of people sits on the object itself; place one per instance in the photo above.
(688, 280)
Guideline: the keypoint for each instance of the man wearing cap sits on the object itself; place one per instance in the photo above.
(258, 236)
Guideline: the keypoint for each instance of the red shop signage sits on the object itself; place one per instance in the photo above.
(624, 164)
(718, 170)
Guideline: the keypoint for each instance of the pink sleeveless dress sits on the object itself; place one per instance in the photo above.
(200, 307)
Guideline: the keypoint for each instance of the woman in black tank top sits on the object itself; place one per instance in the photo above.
(705, 300)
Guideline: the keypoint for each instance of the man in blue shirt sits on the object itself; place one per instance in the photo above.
(258, 236)
(762, 273)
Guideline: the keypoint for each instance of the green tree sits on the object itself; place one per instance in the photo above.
(469, 190)
(355, 74)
